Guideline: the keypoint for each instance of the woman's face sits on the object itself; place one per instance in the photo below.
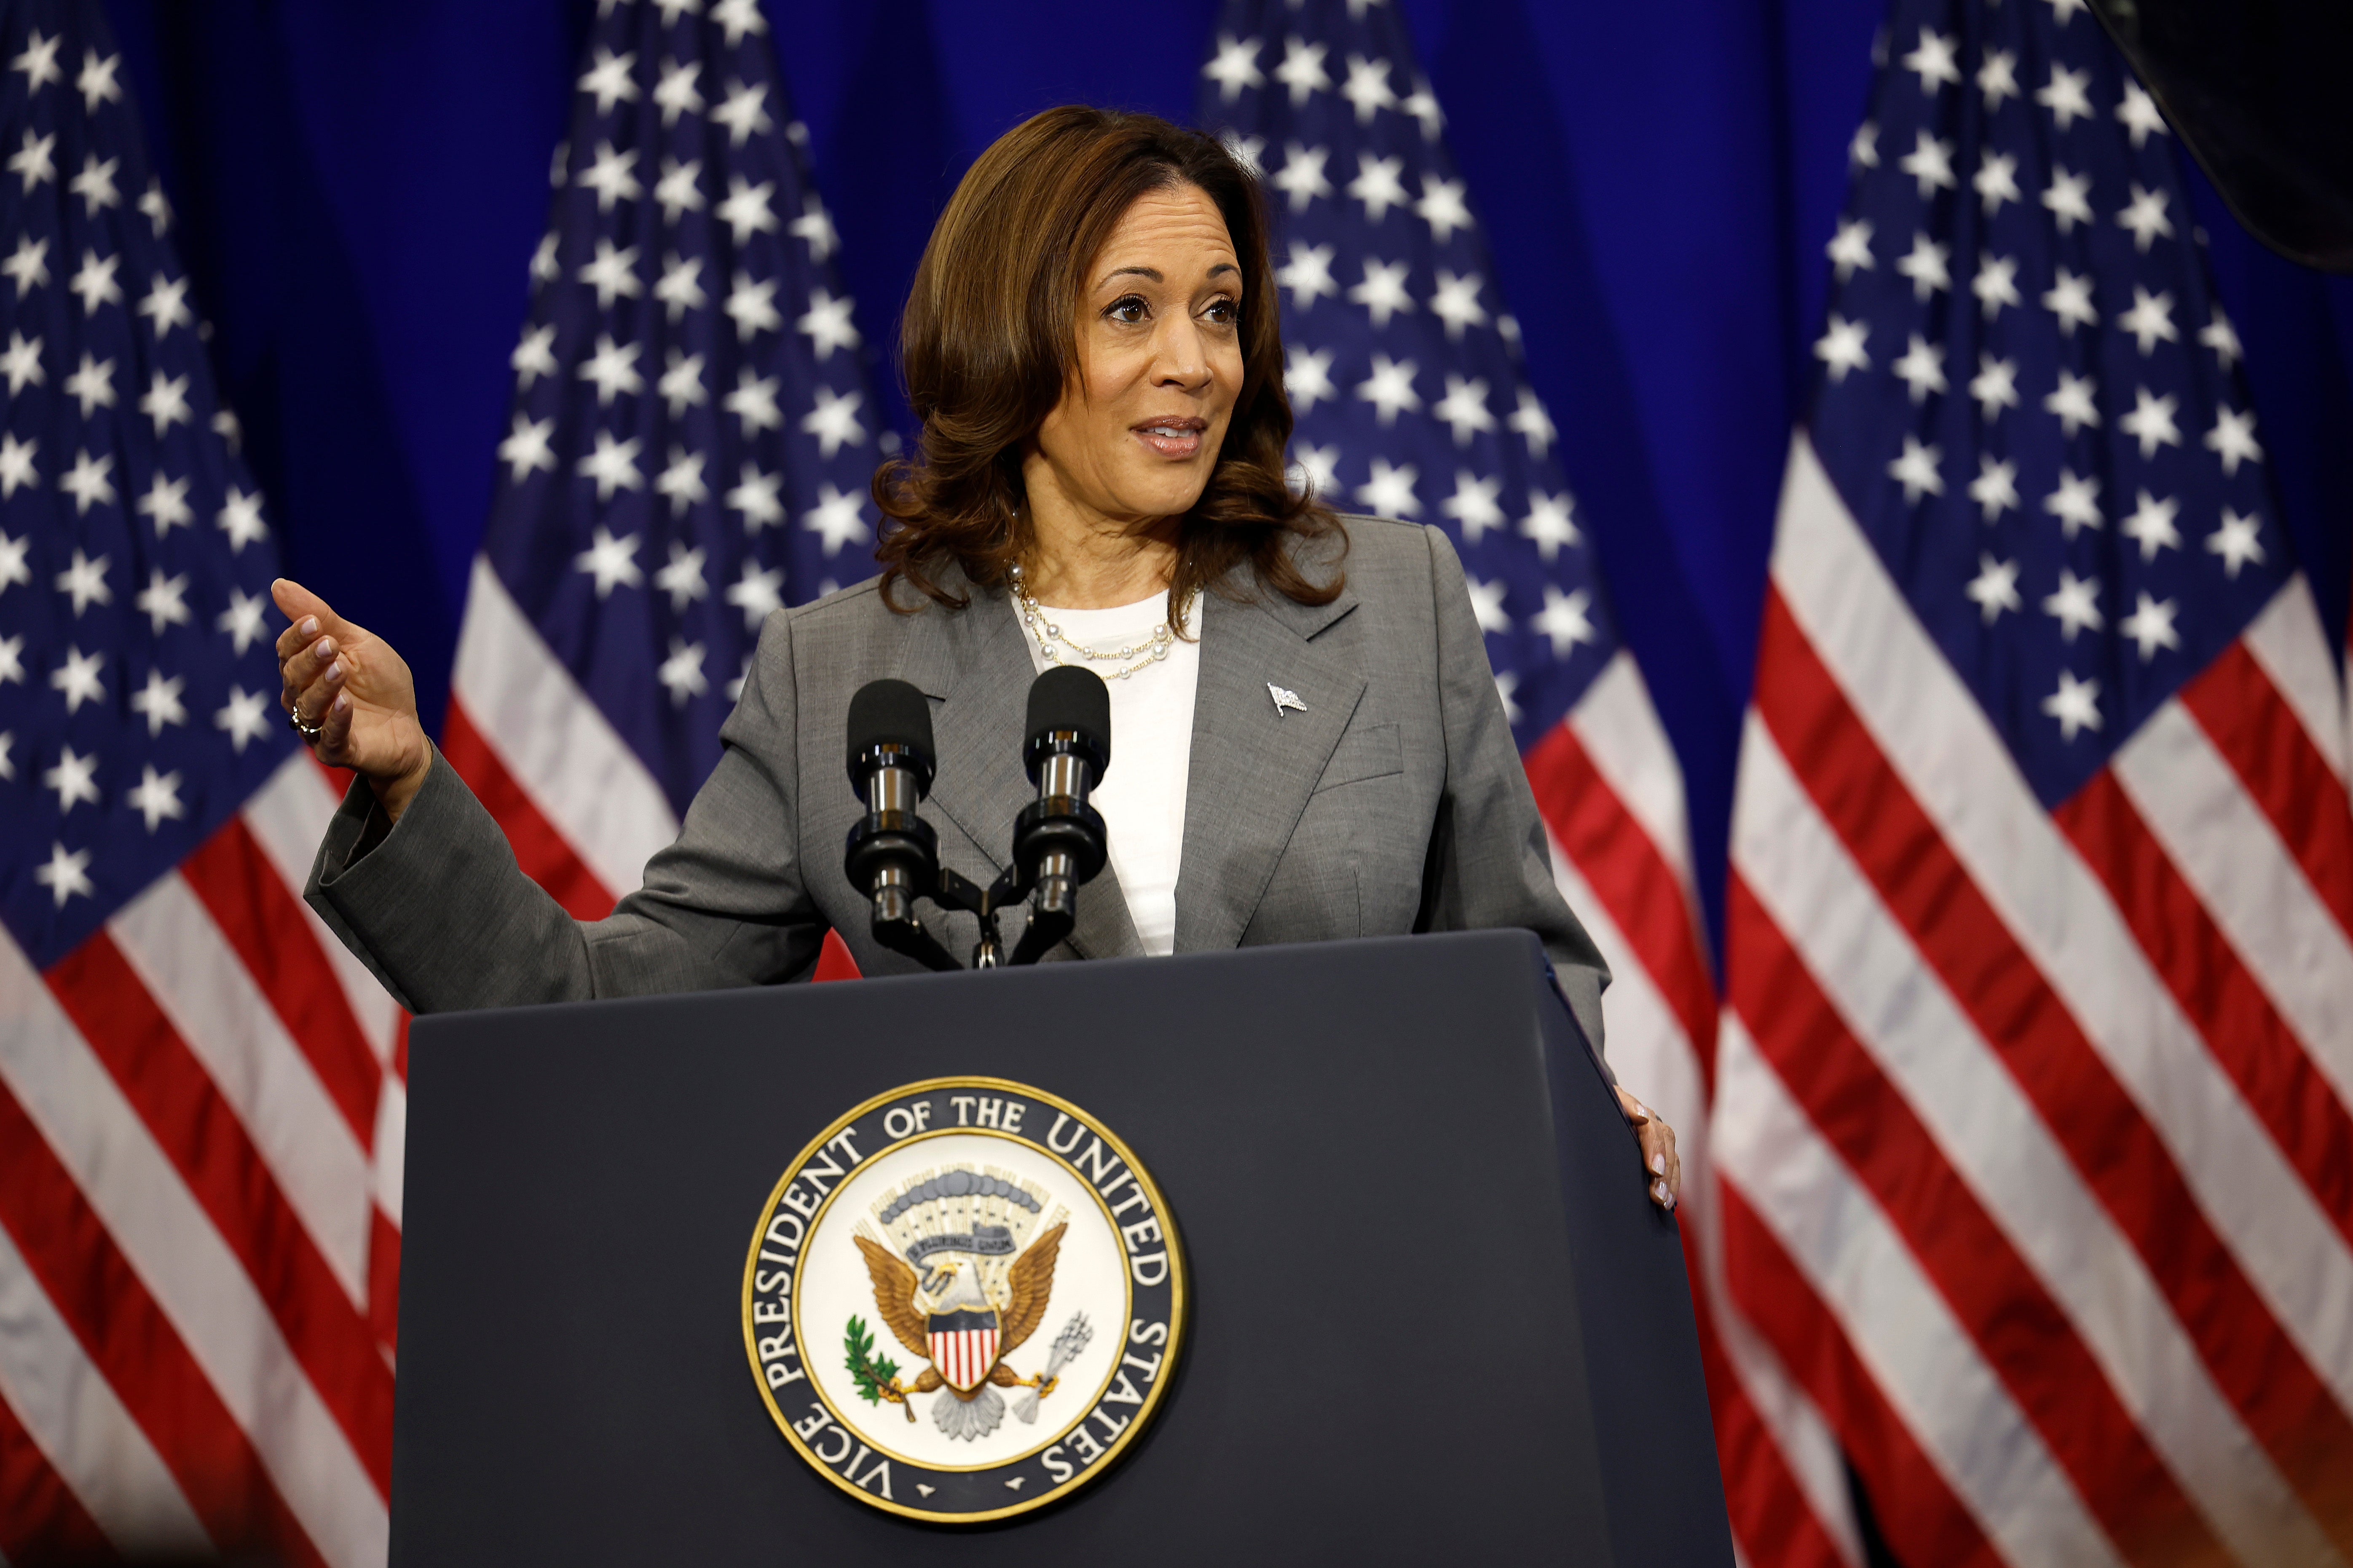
(1160, 364)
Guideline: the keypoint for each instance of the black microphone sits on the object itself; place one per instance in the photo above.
(1058, 840)
(893, 855)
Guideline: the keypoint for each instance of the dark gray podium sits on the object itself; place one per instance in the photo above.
(1484, 1352)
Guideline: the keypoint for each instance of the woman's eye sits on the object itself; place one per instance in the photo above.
(1225, 312)
(1130, 309)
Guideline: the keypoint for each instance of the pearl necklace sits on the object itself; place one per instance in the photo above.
(1146, 654)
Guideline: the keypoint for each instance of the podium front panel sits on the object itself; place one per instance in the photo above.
(1406, 1341)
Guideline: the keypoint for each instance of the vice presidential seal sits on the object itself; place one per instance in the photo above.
(962, 1301)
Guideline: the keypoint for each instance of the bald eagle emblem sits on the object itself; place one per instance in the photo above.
(959, 1283)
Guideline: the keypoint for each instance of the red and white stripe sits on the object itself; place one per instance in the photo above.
(1612, 795)
(201, 1111)
(2031, 1126)
(964, 1356)
(582, 813)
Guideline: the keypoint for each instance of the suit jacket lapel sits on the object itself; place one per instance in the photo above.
(1253, 764)
(973, 664)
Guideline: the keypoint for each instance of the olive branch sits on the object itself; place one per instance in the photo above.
(876, 1376)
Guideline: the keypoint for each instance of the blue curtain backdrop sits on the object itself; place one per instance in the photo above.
(360, 186)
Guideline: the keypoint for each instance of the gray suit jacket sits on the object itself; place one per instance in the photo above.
(1394, 802)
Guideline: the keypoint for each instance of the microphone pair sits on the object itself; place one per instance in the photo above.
(1059, 840)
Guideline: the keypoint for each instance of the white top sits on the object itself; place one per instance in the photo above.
(1142, 795)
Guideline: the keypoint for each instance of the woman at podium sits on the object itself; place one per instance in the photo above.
(1310, 744)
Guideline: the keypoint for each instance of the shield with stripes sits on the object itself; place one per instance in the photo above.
(964, 1347)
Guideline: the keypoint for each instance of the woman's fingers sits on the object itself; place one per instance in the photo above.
(335, 729)
(310, 703)
(290, 642)
(294, 636)
(1657, 1141)
(298, 605)
(314, 684)
(308, 664)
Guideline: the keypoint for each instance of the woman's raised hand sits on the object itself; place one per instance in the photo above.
(350, 696)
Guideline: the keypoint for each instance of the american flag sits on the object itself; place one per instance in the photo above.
(689, 448)
(1405, 373)
(2032, 1092)
(200, 1118)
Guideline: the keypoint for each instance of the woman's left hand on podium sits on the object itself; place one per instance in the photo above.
(1659, 1155)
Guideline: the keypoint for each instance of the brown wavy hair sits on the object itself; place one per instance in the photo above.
(989, 342)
